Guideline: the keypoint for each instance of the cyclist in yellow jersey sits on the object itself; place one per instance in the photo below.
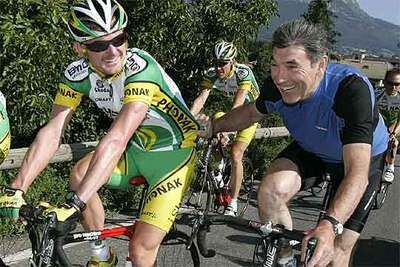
(236, 81)
(151, 124)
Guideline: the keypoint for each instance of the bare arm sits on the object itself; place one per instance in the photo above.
(43, 147)
(200, 101)
(356, 159)
(237, 119)
(240, 96)
(110, 148)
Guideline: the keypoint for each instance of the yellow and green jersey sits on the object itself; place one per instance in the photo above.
(5, 137)
(241, 77)
(168, 125)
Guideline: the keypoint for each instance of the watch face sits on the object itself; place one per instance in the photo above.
(339, 229)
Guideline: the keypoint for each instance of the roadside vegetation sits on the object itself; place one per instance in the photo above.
(36, 48)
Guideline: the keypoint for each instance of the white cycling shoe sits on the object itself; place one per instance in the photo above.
(388, 174)
(231, 210)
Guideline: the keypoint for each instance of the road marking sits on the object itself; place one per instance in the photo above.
(27, 253)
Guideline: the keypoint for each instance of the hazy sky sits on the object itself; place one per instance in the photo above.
(388, 10)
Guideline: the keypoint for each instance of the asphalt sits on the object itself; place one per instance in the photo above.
(379, 244)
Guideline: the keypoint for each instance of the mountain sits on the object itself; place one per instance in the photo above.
(358, 29)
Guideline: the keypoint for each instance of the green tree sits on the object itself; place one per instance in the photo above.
(36, 48)
(318, 12)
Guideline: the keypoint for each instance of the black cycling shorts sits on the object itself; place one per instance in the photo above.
(312, 168)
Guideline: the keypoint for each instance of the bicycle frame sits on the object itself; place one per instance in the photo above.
(48, 240)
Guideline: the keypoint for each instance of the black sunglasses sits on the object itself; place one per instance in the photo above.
(390, 83)
(221, 63)
(100, 46)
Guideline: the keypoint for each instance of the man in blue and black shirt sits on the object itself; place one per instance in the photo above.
(330, 111)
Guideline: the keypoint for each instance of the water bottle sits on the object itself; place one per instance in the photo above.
(100, 249)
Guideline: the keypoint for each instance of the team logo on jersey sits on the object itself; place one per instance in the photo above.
(163, 188)
(183, 120)
(135, 63)
(137, 91)
(77, 70)
(210, 73)
(67, 92)
(103, 88)
(242, 73)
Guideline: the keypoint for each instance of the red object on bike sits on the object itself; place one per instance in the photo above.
(223, 198)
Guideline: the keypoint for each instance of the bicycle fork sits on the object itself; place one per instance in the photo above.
(271, 249)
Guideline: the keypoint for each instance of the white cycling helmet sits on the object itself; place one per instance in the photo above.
(95, 18)
(225, 51)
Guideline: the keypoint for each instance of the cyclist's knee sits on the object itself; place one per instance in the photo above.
(273, 189)
(141, 252)
(237, 156)
(77, 173)
(237, 152)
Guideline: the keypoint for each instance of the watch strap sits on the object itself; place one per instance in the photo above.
(335, 223)
(73, 199)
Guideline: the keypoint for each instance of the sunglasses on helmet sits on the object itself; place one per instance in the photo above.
(100, 46)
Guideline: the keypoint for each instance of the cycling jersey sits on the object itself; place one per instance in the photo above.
(5, 137)
(168, 125)
(240, 78)
(389, 107)
(341, 111)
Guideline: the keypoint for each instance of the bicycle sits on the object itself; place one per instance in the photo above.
(210, 193)
(381, 195)
(48, 241)
(272, 237)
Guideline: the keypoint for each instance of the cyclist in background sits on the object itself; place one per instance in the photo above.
(235, 81)
(151, 123)
(5, 136)
(389, 106)
(329, 110)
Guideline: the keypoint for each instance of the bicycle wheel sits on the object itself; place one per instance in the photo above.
(197, 204)
(247, 186)
(173, 251)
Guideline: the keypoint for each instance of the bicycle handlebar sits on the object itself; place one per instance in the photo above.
(34, 217)
(262, 229)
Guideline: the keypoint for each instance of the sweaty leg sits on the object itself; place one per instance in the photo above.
(238, 149)
(144, 245)
(278, 186)
(344, 245)
(93, 216)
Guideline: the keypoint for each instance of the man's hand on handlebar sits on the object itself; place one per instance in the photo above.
(64, 213)
(224, 139)
(11, 201)
(68, 213)
(324, 251)
(205, 130)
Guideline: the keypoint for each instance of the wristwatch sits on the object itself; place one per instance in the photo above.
(337, 226)
(72, 198)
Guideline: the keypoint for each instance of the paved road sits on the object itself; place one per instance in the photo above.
(378, 246)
